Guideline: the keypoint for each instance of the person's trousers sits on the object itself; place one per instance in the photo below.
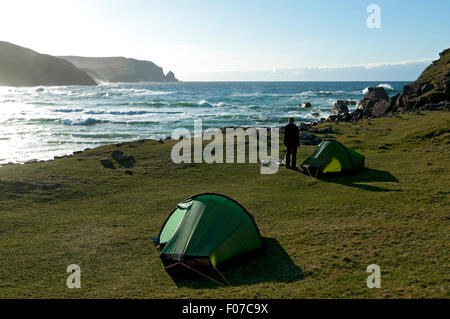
(291, 151)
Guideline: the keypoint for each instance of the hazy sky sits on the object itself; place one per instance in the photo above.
(245, 39)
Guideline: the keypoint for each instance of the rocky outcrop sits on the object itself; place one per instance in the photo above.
(431, 91)
(120, 69)
(170, 77)
(374, 95)
(340, 107)
(24, 67)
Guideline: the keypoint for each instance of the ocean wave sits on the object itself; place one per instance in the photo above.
(153, 104)
(45, 103)
(8, 101)
(149, 92)
(84, 122)
(131, 91)
(298, 94)
(104, 135)
(202, 103)
(118, 112)
(205, 103)
(88, 121)
(68, 110)
(245, 94)
(92, 121)
(37, 120)
(129, 112)
(96, 112)
(388, 88)
(135, 123)
(320, 93)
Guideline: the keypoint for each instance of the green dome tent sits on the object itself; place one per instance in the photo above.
(207, 230)
(332, 157)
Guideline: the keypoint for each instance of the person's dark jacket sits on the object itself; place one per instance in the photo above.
(291, 135)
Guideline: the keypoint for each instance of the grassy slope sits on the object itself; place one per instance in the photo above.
(436, 74)
(320, 236)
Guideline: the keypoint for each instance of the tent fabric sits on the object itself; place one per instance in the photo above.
(208, 225)
(332, 157)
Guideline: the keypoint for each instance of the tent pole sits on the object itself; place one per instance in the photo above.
(307, 168)
(170, 266)
(187, 266)
(223, 277)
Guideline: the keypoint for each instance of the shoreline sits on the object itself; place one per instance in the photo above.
(303, 127)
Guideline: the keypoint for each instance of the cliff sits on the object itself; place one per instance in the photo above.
(24, 67)
(119, 69)
(431, 91)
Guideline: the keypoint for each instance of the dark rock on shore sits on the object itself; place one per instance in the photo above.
(309, 139)
(305, 105)
(325, 130)
(117, 155)
(340, 107)
(431, 91)
(122, 159)
(381, 107)
(432, 87)
(375, 95)
(107, 163)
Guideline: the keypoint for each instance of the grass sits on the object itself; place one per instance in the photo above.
(436, 73)
(319, 235)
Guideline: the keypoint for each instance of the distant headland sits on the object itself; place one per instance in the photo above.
(20, 66)
(120, 69)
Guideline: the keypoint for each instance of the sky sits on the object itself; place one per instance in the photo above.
(211, 40)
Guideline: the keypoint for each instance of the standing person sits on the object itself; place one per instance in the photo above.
(291, 141)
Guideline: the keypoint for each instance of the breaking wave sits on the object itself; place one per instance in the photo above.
(388, 88)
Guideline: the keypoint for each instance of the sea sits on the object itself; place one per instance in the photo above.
(39, 123)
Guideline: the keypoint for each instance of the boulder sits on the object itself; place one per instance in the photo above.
(325, 130)
(107, 163)
(117, 155)
(305, 105)
(122, 159)
(340, 107)
(130, 159)
(309, 139)
(376, 93)
(381, 108)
